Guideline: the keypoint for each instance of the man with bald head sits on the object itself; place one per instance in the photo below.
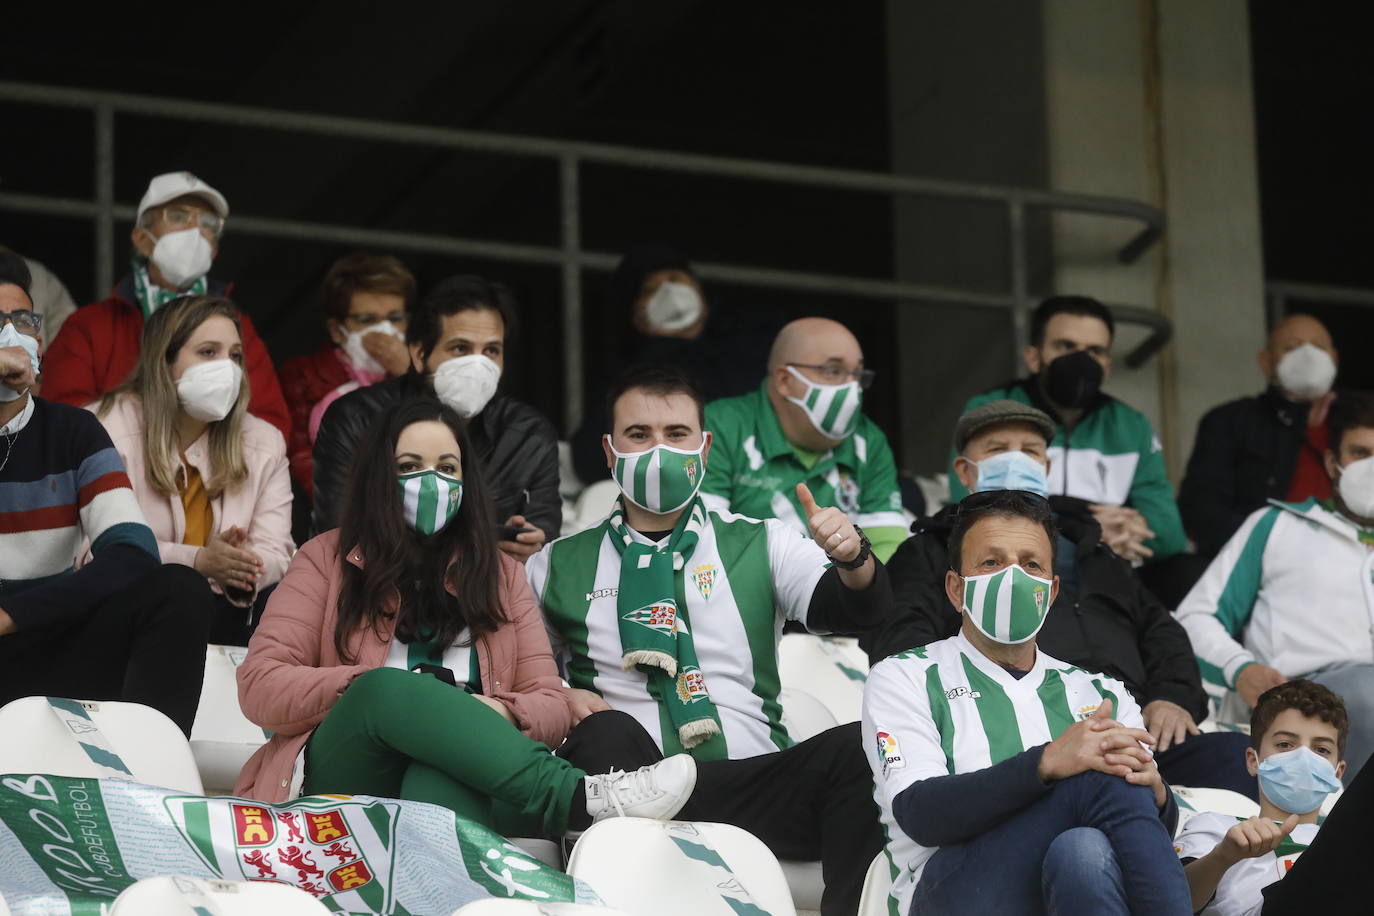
(805, 424)
(1265, 447)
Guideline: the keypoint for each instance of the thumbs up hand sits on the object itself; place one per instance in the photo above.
(830, 528)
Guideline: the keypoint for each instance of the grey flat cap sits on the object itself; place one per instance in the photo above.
(999, 413)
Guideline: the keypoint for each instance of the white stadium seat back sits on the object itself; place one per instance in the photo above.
(803, 715)
(180, 896)
(97, 739)
(546, 851)
(877, 887)
(807, 884)
(498, 907)
(222, 738)
(1194, 801)
(593, 504)
(679, 868)
(832, 669)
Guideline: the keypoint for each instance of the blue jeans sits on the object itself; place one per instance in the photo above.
(1093, 845)
(1355, 685)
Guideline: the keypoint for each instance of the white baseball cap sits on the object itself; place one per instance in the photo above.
(171, 185)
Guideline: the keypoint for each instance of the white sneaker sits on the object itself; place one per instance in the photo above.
(658, 791)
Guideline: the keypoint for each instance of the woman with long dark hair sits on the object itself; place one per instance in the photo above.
(404, 656)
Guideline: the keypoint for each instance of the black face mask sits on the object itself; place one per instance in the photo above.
(1073, 380)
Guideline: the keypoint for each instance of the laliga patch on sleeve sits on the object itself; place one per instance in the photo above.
(889, 752)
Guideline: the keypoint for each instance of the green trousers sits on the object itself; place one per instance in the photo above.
(397, 734)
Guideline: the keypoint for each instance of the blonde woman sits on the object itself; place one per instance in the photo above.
(210, 477)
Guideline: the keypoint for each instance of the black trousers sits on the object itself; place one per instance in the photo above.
(145, 644)
(811, 801)
(1330, 876)
(234, 625)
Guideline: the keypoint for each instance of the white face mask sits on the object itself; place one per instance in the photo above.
(467, 383)
(1356, 486)
(1306, 371)
(182, 257)
(9, 337)
(208, 391)
(357, 353)
(832, 409)
(673, 307)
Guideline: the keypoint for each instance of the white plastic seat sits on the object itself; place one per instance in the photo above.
(222, 738)
(499, 907)
(4, 909)
(877, 887)
(679, 868)
(546, 851)
(592, 505)
(806, 883)
(176, 895)
(803, 715)
(143, 744)
(832, 669)
(1194, 801)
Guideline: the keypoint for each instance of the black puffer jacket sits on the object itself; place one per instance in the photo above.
(1245, 453)
(517, 445)
(1104, 620)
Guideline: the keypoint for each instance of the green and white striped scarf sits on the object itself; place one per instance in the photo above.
(655, 632)
(152, 297)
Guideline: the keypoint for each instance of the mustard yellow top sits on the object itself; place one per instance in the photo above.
(200, 518)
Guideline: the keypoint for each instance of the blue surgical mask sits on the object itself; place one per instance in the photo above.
(1012, 471)
(1298, 781)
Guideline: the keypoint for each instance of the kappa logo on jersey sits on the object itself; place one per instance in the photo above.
(704, 577)
(324, 848)
(847, 493)
(889, 752)
(661, 617)
(691, 685)
(603, 593)
(957, 692)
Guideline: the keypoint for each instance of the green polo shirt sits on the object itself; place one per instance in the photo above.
(754, 470)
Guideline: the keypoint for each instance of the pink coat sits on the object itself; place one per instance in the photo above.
(261, 505)
(293, 674)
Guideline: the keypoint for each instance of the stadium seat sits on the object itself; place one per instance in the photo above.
(97, 739)
(803, 715)
(175, 895)
(4, 909)
(832, 669)
(806, 884)
(547, 851)
(1193, 801)
(222, 738)
(497, 907)
(877, 886)
(679, 868)
(593, 504)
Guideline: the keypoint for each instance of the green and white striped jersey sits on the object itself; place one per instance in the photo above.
(1241, 890)
(459, 658)
(946, 708)
(744, 579)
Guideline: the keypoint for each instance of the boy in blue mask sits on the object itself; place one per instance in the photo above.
(1297, 739)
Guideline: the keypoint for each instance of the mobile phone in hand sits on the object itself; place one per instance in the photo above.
(508, 532)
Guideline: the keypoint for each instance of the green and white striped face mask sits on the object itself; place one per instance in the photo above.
(429, 500)
(832, 409)
(1008, 606)
(662, 479)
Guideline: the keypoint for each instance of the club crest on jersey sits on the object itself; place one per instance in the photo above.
(704, 577)
(1084, 711)
(1039, 593)
(691, 685)
(690, 466)
(847, 494)
(661, 617)
(889, 752)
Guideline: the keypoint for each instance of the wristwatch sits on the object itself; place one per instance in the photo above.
(865, 551)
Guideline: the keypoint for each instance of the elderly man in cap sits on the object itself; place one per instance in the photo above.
(805, 424)
(1106, 620)
(176, 238)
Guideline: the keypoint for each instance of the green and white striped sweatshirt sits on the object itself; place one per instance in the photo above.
(946, 708)
(745, 578)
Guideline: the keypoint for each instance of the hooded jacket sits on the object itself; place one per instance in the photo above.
(1103, 620)
(518, 446)
(1244, 455)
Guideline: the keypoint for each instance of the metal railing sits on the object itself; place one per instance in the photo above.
(570, 256)
(1278, 293)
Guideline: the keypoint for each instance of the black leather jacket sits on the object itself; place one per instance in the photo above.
(1104, 619)
(517, 445)
(1245, 453)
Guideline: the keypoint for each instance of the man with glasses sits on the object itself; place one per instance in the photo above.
(805, 425)
(176, 238)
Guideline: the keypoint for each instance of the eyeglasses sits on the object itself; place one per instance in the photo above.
(367, 320)
(839, 375)
(183, 218)
(22, 319)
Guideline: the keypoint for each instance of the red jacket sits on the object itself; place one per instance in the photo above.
(98, 345)
(305, 380)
